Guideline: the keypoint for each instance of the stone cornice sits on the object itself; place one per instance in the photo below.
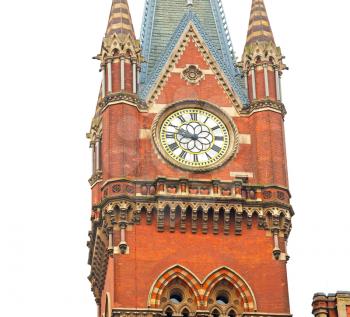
(265, 105)
(195, 190)
(97, 177)
(147, 312)
(122, 97)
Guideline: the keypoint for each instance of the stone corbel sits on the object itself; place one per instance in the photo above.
(160, 219)
(216, 221)
(123, 246)
(183, 220)
(276, 250)
(227, 221)
(238, 223)
(110, 240)
(249, 221)
(172, 219)
(194, 220)
(205, 222)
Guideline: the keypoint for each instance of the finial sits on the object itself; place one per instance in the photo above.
(189, 3)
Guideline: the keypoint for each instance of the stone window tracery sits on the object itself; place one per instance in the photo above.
(178, 299)
(225, 300)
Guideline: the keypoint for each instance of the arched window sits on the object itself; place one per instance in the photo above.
(185, 313)
(215, 313)
(231, 313)
(169, 312)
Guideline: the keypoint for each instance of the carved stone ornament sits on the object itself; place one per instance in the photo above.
(192, 74)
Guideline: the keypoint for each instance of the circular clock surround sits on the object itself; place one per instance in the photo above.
(195, 136)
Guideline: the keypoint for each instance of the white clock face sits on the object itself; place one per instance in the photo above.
(194, 137)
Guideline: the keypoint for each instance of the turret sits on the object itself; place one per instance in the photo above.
(262, 60)
(120, 53)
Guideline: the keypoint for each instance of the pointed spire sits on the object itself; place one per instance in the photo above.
(259, 26)
(120, 21)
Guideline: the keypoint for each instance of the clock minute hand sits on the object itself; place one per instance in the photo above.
(185, 133)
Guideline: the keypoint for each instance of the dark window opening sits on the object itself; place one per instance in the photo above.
(169, 313)
(215, 313)
(231, 314)
(222, 299)
(176, 297)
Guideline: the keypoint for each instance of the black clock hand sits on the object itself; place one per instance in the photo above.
(185, 133)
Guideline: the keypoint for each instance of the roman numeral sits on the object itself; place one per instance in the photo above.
(219, 138)
(182, 119)
(183, 154)
(216, 148)
(208, 156)
(215, 128)
(205, 121)
(170, 135)
(195, 158)
(173, 126)
(173, 146)
(194, 116)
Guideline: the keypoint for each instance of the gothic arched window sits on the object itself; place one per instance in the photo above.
(185, 313)
(215, 313)
(231, 313)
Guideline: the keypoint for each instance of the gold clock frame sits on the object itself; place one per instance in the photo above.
(233, 146)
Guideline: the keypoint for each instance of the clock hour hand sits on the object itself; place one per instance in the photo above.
(185, 134)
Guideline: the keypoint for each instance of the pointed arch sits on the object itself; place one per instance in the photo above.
(176, 271)
(225, 273)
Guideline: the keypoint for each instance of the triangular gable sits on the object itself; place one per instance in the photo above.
(161, 18)
(230, 74)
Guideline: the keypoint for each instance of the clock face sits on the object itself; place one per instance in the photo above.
(194, 138)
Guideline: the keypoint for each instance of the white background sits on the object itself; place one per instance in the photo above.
(49, 87)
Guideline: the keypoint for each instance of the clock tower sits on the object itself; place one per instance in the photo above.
(190, 201)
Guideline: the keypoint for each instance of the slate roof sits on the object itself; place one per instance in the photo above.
(162, 17)
(162, 21)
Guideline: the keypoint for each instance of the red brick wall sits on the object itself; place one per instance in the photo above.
(152, 252)
(124, 154)
(115, 76)
(348, 311)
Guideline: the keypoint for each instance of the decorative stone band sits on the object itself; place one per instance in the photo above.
(223, 215)
(152, 312)
(257, 314)
(120, 98)
(214, 190)
(95, 178)
(265, 105)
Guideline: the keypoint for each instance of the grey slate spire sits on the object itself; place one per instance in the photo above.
(161, 19)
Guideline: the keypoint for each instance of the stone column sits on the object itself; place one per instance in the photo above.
(98, 154)
(103, 70)
(246, 80)
(93, 150)
(110, 240)
(266, 79)
(134, 77)
(253, 83)
(122, 73)
(109, 71)
(277, 78)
